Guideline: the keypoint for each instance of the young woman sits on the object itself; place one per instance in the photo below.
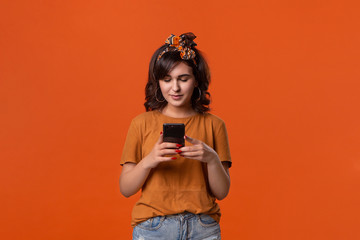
(180, 184)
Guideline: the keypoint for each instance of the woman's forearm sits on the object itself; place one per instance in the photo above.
(219, 178)
(132, 178)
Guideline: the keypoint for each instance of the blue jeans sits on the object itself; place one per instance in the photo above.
(178, 227)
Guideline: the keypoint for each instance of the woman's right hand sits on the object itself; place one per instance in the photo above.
(161, 152)
(133, 176)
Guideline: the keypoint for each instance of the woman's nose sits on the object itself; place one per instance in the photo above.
(176, 86)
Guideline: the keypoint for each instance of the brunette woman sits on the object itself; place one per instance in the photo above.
(180, 184)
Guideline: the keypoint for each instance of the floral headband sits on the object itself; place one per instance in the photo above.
(182, 44)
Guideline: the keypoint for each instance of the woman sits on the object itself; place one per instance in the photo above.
(180, 184)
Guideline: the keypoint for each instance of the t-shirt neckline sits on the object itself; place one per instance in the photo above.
(174, 118)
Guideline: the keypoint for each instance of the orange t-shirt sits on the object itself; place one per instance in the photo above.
(180, 185)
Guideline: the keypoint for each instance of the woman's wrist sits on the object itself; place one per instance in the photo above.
(144, 163)
(213, 160)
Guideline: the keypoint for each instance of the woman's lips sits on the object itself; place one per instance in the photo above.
(176, 97)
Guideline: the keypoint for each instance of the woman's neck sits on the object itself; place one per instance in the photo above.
(178, 112)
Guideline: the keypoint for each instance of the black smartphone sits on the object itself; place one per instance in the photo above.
(174, 133)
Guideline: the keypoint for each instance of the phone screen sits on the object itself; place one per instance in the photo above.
(174, 133)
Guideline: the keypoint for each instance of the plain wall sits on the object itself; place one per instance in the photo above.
(285, 79)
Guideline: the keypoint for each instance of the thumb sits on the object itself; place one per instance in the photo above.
(160, 139)
(192, 140)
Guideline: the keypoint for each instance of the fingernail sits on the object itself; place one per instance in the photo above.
(173, 158)
(178, 151)
(178, 145)
(160, 133)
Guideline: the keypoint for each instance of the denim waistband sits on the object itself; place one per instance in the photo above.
(182, 226)
(184, 215)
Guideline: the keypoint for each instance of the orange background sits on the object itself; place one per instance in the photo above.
(285, 80)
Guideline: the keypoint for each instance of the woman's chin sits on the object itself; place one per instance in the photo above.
(178, 104)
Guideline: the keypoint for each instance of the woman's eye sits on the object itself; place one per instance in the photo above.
(183, 79)
(166, 80)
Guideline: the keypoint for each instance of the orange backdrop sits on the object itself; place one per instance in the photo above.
(285, 78)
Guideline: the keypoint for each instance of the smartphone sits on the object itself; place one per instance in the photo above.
(174, 133)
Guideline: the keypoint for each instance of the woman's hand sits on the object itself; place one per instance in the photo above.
(133, 176)
(199, 151)
(218, 173)
(161, 152)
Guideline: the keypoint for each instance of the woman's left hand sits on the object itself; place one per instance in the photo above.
(198, 151)
(218, 174)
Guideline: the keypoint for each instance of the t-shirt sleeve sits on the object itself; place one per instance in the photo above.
(222, 143)
(132, 147)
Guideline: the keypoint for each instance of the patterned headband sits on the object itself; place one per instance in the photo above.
(182, 44)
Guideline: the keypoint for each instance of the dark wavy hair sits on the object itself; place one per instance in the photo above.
(158, 69)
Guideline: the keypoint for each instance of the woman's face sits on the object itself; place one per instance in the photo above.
(178, 85)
